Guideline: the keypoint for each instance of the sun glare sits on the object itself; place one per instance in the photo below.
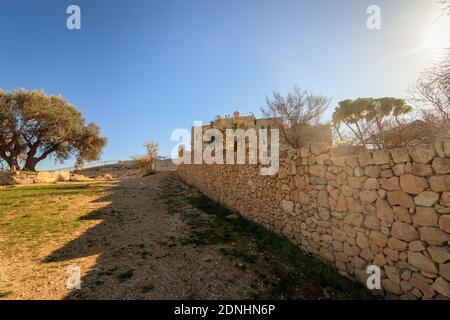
(438, 39)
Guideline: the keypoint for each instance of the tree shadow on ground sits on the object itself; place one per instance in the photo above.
(121, 241)
(160, 239)
(139, 255)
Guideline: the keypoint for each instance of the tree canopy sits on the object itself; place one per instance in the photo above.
(34, 126)
(371, 121)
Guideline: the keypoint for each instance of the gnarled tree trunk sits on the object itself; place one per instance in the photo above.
(30, 164)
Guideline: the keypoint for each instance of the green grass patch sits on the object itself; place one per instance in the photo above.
(31, 214)
(126, 275)
(286, 271)
(5, 294)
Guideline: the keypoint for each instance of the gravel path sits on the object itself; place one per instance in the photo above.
(139, 252)
(132, 252)
(146, 238)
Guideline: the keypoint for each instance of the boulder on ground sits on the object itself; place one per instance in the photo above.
(79, 178)
(106, 176)
(51, 177)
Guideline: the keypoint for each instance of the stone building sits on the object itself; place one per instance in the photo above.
(249, 121)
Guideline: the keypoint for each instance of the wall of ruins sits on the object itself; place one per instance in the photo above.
(389, 208)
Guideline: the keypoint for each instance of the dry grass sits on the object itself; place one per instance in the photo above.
(120, 235)
(148, 238)
(35, 221)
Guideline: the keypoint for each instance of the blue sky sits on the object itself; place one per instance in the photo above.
(142, 68)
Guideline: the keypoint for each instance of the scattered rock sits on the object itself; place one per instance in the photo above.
(52, 176)
(79, 178)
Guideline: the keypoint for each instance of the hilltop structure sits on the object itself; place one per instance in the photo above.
(322, 133)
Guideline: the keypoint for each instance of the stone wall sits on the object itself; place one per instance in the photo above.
(5, 178)
(26, 177)
(389, 208)
(165, 165)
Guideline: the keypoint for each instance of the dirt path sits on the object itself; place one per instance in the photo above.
(130, 254)
(156, 238)
(139, 257)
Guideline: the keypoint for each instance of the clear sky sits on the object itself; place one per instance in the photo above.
(142, 68)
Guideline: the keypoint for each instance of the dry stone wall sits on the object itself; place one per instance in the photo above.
(389, 208)
(5, 178)
(26, 177)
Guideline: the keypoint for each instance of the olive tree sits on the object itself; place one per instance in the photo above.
(35, 126)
